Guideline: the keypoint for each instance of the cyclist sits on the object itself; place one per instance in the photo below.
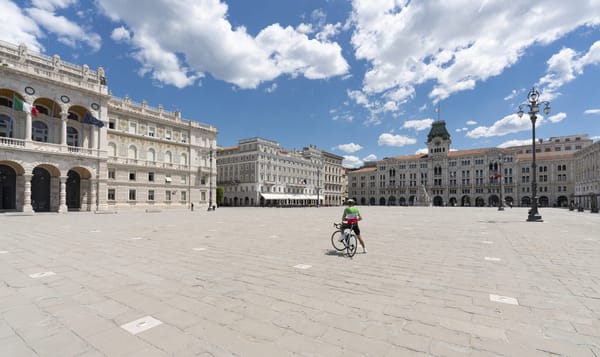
(352, 216)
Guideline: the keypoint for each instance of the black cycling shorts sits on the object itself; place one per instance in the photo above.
(355, 228)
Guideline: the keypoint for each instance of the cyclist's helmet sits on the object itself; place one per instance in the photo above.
(350, 202)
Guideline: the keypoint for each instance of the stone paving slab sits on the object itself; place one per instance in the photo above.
(267, 282)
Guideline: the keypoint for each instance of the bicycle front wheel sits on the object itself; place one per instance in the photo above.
(352, 245)
(335, 241)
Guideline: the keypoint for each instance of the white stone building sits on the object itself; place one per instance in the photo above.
(477, 177)
(587, 178)
(88, 151)
(258, 172)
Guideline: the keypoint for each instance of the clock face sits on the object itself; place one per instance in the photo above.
(437, 143)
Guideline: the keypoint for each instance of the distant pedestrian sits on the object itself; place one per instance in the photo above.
(192, 206)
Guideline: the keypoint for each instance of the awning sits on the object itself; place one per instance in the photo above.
(288, 196)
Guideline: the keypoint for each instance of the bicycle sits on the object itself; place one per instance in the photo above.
(348, 242)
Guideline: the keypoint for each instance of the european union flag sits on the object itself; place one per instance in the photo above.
(90, 119)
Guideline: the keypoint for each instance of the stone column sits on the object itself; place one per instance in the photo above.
(27, 208)
(63, 195)
(63, 128)
(93, 199)
(28, 132)
(93, 136)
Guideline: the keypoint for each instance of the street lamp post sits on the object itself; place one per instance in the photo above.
(501, 177)
(533, 103)
(210, 204)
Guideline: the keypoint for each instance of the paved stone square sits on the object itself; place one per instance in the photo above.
(267, 282)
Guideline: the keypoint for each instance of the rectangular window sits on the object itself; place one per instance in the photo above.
(132, 195)
(183, 179)
(168, 178)
(151, 131)
(150, 195)
(168, 134)
(132, 127)
(183, 196)
(132, 176)
(111, 174)
(203, 196)
(112, 124)
(184, 138)
(111, 194)
(151, 176)
(167, 195)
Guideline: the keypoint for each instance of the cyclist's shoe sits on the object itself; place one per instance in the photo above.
(364, 250)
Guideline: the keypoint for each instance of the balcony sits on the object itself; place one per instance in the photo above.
(38, 146)
(146, 163)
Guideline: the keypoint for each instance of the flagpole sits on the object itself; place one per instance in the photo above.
(12, 119)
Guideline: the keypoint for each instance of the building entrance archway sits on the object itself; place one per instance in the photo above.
(8, 188)
(438, 201)
(73, 188)
(40, 190)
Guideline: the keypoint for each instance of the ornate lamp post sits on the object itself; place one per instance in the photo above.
(533, 103)
(501, 177)
(210, 204)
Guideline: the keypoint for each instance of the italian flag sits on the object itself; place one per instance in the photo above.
(19, 104)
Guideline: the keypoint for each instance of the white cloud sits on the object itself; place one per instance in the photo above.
(409, 43)
(421, 151)
(565, 66)
(387, 139)
(272, 88)
(592, 111)
(595, 138)
(471, 122)
(371, 157)
(557, 117)
(351, 162)
(177, 42)
(507, 125)
(120, 34)
(348, 148)
(68, 32)
(418, 125)
(18, 28)
(515, 143)
(512, 95)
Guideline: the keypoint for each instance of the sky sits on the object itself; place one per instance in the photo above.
(363, 79)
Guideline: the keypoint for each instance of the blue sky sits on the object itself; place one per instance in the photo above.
(361, 79)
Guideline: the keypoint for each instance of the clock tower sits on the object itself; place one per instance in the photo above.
(438, 139)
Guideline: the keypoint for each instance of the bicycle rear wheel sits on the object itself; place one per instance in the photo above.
(335, 241)
(352, 245)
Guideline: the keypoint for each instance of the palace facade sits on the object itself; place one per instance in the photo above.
(478, 177)
(258, 172)
(66, 144)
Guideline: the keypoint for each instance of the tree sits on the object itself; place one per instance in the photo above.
(220, 195)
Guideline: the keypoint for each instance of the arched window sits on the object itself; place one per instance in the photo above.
(151, 155)
(5, 102)
(183, 159)
(132, 152)
(72, 136)
(112, 149)
(39, 131)
(168, 157)
(73, 116)
(5, 126)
